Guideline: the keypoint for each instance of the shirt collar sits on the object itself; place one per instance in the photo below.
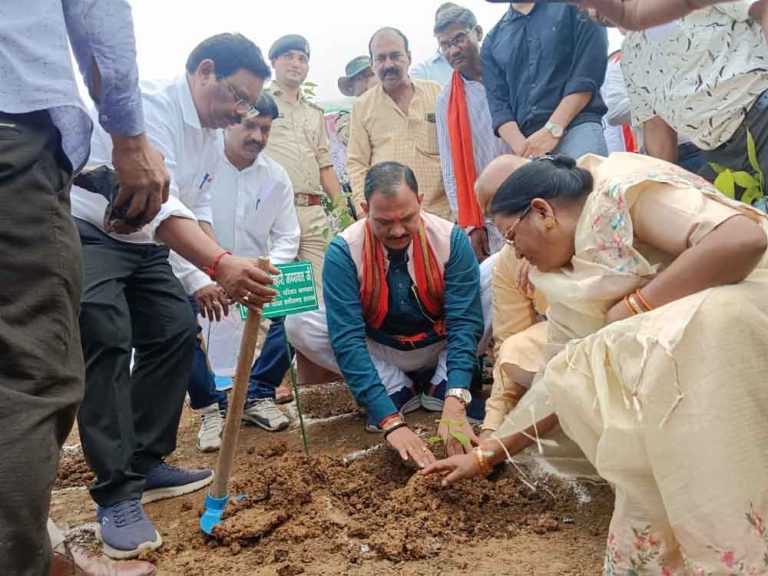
(260, 162)
(188, 110)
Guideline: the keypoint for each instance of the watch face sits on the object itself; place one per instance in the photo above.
(461, 394)
(555, 129)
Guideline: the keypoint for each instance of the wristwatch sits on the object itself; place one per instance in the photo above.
(555, 129)
(461, 394)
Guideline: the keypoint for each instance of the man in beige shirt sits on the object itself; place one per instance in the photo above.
(299, 143)
(395, 121)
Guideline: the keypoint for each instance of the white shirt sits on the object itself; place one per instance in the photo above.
(700, 74)
(36, 66)
(253, 210)
(191, 155)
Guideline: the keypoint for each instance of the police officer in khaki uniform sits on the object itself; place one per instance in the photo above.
(299, 142)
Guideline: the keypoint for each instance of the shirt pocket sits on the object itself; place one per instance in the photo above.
(424, 131)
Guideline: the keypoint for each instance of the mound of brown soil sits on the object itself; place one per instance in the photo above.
(327, 400)
(377, 504)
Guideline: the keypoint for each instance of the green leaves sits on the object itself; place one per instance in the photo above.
(753, 185)
(745, 179)
(751, 195)
(752, 153)
(726, 183)
(308, 89)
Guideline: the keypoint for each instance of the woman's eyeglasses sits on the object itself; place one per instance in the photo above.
(509, 237)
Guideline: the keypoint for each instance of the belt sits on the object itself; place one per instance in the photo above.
(307, 199)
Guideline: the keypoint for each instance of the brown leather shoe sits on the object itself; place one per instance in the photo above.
(75, 561)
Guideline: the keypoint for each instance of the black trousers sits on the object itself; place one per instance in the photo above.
(733, 154)
(129, 416)
(41, 367)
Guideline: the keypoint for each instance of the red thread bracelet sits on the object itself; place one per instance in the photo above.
(211, 271)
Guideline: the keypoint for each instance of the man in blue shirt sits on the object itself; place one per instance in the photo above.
(543, 65)
(402, 308)
(44, 142)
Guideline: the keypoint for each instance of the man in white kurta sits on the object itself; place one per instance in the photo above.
(253, 215)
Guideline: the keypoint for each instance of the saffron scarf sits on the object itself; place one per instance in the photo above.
(463, 156)
(429, 280)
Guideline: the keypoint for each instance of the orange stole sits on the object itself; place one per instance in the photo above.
(463, 155)
(374, 291)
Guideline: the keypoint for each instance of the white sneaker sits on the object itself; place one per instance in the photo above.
(211, 426)
(265, 413)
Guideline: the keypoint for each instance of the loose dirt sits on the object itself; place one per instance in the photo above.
(352, 507)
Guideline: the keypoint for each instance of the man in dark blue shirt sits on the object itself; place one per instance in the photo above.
(543, 65)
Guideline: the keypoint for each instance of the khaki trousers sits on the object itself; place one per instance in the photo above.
(312, 246)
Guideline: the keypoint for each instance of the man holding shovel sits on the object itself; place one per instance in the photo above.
(132, 299)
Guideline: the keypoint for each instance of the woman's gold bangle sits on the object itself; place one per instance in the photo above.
(643, 302)
(632, 306)
(483, 466)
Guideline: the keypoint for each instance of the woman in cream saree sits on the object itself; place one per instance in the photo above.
(658, 310)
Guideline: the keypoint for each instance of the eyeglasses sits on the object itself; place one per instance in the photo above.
(242, 106)
(458, 41)
(509, 237)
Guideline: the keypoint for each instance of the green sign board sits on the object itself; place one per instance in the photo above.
(296, 291)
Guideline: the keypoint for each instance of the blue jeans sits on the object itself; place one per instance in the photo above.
(271, 365)
(583, 139)
(266, 374)
(690, 157)
(202, 387)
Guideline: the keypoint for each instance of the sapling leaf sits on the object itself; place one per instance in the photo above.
(432, 440)
(745, 179)
(751, 195)
(726, 184)
(718, 168)
(752, 152)
(461, 437)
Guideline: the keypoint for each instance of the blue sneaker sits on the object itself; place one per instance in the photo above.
(166, 481)
(405, 401)
(433, 397)
(125, 530)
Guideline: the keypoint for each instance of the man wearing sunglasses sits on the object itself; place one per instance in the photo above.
(133, 300)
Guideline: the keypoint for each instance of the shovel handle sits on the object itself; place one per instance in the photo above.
(224, 465)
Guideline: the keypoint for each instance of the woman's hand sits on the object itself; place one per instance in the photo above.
(618, 311)
(454, 468)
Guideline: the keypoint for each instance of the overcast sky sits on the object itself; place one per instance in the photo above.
(337, 30)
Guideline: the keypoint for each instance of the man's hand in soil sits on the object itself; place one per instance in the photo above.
(410, 447)
(212, 301)
(478, 238)
(143, 178)
(245, 282)
(454, 419)
(453, 468)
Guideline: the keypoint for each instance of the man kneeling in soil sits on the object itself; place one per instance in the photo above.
(402, 312)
